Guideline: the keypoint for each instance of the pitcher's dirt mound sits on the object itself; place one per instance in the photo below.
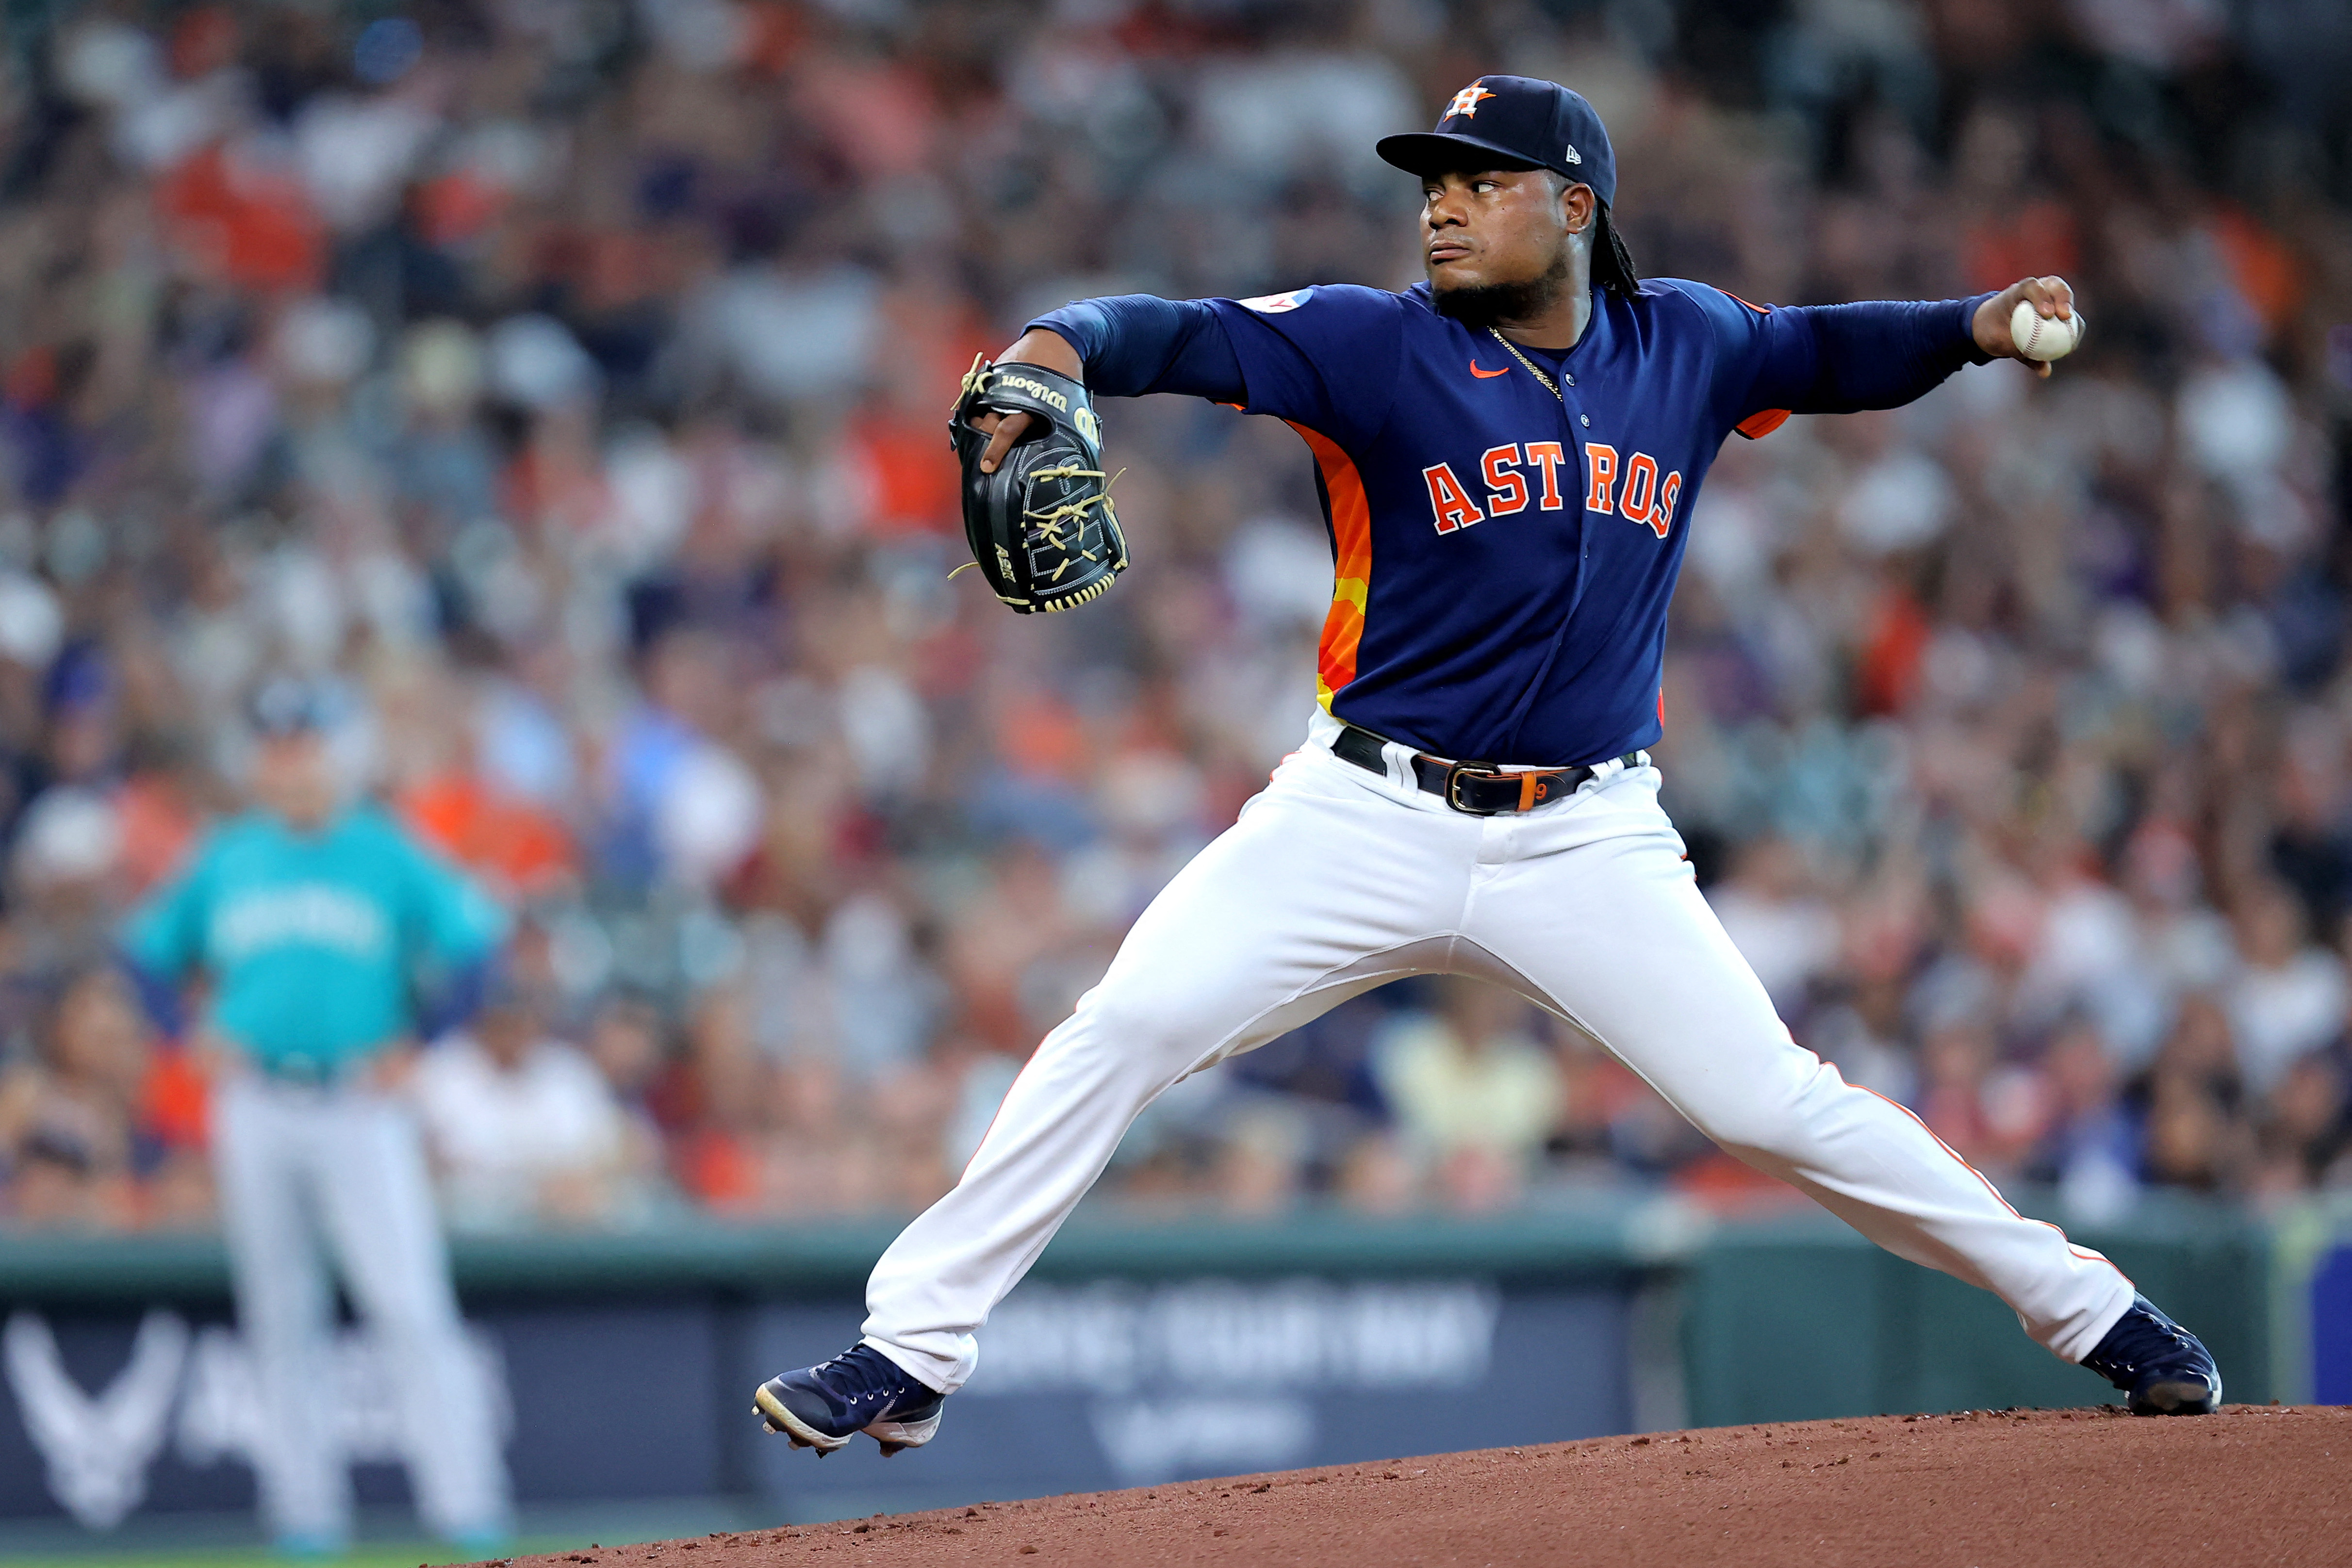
(2064, 1489)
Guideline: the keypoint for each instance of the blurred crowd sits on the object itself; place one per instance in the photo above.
(560, 383)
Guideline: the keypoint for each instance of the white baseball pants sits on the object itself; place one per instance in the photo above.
(1335, 881)
(299, 1166)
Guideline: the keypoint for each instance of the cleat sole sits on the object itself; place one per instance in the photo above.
(2190, 1397)
(897, 1437)
(782, 1421)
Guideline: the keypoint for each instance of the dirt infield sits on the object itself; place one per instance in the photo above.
(2048, 1488)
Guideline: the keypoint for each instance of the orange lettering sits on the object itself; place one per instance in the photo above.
(1661, 516)
(1507, 489)
(1549, 455)
(1641, 487)
(1603, 463)
(1448, 500)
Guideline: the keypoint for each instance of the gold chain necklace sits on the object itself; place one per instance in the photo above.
(1550, 385)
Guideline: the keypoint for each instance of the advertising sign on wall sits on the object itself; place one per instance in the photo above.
(2331, 1328)
(102, 1416)
(1113, 1383)
(1082, 1385)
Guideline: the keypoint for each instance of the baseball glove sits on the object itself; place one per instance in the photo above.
(1042, 527)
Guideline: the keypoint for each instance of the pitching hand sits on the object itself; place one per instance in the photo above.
(2051, 297)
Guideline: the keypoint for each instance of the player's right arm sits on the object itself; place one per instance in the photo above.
(164, 938)
(1772, 363)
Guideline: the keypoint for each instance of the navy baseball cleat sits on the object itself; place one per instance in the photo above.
(860, 1390)
(2165, 1369)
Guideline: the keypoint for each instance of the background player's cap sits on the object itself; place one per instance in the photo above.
(1537, 124)
(286, 705)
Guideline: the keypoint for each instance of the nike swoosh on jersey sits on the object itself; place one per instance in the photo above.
(1487, 375)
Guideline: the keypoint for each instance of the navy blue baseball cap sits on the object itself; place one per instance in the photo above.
(286, 705)
(1535, 124)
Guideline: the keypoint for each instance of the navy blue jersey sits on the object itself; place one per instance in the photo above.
(1504, 555)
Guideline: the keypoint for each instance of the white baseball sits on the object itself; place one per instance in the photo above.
(2040, 337)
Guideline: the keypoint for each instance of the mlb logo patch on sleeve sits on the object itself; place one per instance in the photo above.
(1276, 304)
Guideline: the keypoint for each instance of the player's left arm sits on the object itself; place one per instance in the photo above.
(453, 931)
(1324, 357)
(1122, 345)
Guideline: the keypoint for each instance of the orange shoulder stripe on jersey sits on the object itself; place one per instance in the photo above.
(1764, 421)
(1351, 564)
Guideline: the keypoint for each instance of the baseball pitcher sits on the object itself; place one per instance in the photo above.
(1507, 455)
(311, 919)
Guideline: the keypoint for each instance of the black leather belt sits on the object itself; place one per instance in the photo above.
(307, 1071)
(1478, 789)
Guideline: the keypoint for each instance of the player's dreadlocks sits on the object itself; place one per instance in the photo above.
(1613, 264)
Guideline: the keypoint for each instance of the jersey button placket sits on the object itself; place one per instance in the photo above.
(1580, 421)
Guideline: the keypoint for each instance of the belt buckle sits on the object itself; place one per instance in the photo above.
(1461, 770)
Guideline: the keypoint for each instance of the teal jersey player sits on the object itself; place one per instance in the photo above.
(314, 939)
(314, 921)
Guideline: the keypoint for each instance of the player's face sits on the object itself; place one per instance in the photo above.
(292, 778)
(1497, 227)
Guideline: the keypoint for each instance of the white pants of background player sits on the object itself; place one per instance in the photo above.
(304, 1169)
(1335, 881)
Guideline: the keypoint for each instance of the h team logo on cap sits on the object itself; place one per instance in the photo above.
(1518, 122)
(1465, 102)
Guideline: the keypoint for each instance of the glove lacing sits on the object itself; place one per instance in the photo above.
(1050, 520)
